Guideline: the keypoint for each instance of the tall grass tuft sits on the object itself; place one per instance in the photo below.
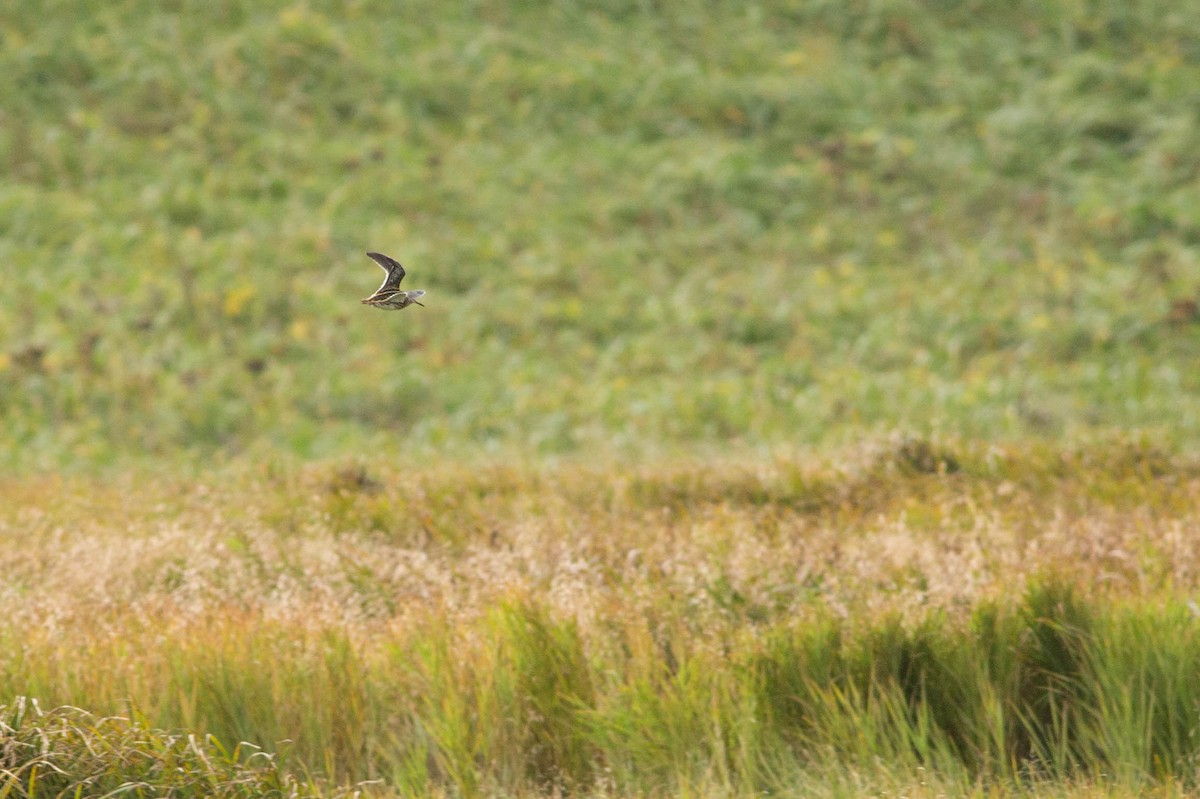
(70, 752)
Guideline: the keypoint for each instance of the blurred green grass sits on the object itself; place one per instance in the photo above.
(643, 226)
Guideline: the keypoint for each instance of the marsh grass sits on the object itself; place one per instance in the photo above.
(1004, 621)
(518, 703)
(633, 521)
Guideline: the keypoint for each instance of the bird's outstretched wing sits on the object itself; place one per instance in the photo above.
(395, 272)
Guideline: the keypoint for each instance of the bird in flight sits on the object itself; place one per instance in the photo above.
(389, 296)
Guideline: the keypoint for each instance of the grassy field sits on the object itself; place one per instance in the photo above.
(805, 403)
(643, 226)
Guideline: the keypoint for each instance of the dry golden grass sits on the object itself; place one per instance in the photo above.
(371, 545)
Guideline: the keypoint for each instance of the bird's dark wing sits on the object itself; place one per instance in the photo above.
(395, 272)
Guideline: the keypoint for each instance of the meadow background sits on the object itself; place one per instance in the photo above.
(806, 400)
(641, 225)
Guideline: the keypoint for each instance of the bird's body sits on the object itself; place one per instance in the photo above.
(389, 296)
(395, 300)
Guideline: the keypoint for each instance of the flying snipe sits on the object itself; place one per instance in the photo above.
(389, 296)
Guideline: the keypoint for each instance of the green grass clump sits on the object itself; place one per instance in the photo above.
(68, 752)
(1020, 693)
